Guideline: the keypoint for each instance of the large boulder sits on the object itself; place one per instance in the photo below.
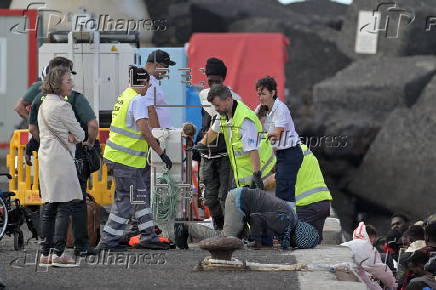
(405, 34)
(398, 171)
(310, 46)
(185, 17)
(356, 102)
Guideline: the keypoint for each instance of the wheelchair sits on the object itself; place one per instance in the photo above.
(12, 217)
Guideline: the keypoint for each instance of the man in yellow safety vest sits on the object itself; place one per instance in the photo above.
(126, 156)
(251, 156)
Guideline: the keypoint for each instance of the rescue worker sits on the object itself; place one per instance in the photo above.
(311, 193)
(159, 116)
(126, 156)
(86, 117)
(284, 139)
(157, 66)
(250, 155)
(266, 215)
(215, 169)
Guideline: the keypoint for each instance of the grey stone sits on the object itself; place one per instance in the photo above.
(356, 102)
(398, 38)
(398, 170)
(310, 45)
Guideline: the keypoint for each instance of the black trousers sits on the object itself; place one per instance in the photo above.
(288, 163)
(216, 175)
(54, 225)
(315, 214)
(79, 213)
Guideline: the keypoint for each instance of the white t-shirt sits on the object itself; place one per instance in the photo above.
(163, 113)
(280, 117)
(137, 110)
(249, 136)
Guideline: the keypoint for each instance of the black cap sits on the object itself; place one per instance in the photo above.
(160, 56)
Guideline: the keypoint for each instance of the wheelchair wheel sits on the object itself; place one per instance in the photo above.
(3, 218)
(18, 240)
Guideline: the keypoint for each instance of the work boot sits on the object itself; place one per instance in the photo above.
(181, 234)
(85, 252)
(154, 244)
(218, 223)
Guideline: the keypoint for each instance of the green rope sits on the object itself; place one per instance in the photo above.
(165, 201)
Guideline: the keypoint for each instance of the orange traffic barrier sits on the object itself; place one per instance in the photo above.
(25, 178)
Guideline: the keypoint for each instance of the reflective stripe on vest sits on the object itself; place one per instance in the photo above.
(125, 149)
(310, 192)
(310, 186)
(239, 159)
(125, 145)
(240, 153)
(124, 132)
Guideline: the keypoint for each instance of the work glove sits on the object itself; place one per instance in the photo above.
(200, 147)
(166, 160)
(257, 181)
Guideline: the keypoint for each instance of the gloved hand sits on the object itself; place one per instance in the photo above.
(200, 147)
(166, 160)
(257, 181)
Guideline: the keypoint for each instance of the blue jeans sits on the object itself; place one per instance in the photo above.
(288, 163)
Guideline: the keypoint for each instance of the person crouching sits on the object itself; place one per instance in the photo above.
(266, 215)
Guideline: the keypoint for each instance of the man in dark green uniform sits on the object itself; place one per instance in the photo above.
(86, 117)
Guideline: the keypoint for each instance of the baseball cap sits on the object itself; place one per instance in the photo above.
(160, 56)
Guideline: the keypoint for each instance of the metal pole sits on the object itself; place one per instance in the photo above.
(96, 39)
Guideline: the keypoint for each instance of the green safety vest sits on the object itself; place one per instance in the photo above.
(310, 186)
(125, 146)
(239, 159)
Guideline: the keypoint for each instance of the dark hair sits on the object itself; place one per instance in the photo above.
(402, 216)
(60, 61)
(262, 112)
(215, 66)
(219, 90)
(415, 233)
(52, 83)
(418, 258)
(268, 83)
(371, 230)
(430, 232)
(138, 75)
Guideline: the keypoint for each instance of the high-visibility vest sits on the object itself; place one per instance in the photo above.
(239, 159)
(310, 186)
(125, 146)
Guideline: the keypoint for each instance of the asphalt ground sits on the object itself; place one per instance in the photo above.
(141, 269)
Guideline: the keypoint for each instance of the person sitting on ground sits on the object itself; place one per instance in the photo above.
(414, 238)
(400, 222)
(417, 276)
(430, 239)
(367, 258)
(372, 234)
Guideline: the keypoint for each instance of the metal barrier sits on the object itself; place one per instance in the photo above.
(25, 178)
